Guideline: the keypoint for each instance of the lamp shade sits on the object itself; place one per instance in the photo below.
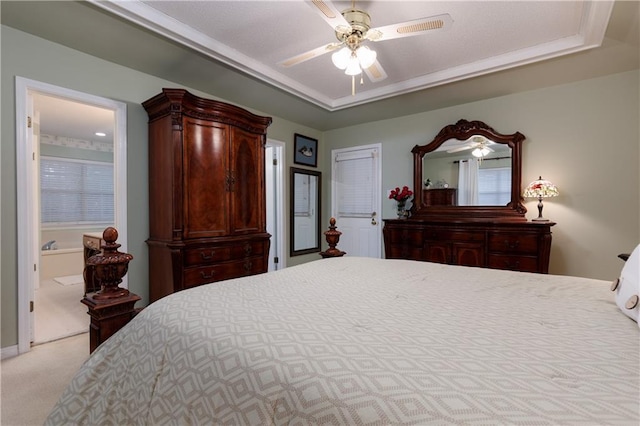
(341, 58)
(541, 188)
(353, 67)
(366, 56)
(480, 152)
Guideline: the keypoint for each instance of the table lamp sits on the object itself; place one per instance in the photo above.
(540, 188)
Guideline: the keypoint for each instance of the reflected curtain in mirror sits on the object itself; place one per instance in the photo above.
(304, 211)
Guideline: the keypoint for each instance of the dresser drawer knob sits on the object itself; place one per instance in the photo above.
(248, 265)
(206, 276)
(207, 256)
(248, 249)
(511, 245)
(512, 265)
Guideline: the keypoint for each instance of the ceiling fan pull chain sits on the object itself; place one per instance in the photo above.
(353, 85)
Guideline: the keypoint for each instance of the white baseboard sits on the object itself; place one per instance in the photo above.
(9, 351)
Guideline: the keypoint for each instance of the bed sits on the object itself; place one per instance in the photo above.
(355, 341)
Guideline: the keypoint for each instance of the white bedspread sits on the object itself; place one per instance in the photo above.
(364, 341)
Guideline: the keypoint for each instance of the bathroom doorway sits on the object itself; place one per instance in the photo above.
(60, 157)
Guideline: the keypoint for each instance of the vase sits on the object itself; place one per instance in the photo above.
(402, 209)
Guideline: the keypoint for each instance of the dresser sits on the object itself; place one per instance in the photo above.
(518, 246)
(207, 211)
(487, 236)
(440, 197)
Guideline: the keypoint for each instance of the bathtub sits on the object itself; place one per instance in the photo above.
(61, 262)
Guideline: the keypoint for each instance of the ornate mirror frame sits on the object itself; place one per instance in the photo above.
(463, 130)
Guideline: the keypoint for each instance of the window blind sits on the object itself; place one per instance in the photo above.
(355, 174)
(75, 192)
(494, 186)
(302, 198)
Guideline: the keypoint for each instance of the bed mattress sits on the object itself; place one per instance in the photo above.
(355, 341)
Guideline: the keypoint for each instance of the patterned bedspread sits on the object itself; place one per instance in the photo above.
(355, 341)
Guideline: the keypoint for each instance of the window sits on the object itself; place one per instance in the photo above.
(75, 192)
(494, 186)
(355, 178)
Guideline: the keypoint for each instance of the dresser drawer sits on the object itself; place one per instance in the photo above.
(513, 243)
(213, 254)
(513, 263)
(405, 236)
(223, 271)
(443, 234)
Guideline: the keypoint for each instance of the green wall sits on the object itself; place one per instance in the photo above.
(582, 136)
(37, 59)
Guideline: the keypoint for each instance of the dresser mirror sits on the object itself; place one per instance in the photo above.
(469, 171)
(304, 212)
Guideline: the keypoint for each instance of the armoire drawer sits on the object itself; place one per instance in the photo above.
(213, 254)
(199, 275)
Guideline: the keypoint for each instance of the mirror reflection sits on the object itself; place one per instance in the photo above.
(471, 172)
(304, 211)
(468, 171)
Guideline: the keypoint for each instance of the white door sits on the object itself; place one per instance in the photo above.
(355, 198)
(28, 202)
(274, 183)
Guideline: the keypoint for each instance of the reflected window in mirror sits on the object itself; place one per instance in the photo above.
(304, 211)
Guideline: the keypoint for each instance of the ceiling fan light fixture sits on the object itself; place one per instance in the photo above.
(366, 56)
(353, 68)
(480, 152)
(341, 58)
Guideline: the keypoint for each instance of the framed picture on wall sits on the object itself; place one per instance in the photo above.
(305, 150)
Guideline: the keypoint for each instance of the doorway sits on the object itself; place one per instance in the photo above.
(356, 185)
(32, 107)
(274, 183)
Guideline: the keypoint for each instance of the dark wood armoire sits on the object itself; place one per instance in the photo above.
(207, 213)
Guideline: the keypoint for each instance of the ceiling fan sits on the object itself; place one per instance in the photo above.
(479, 145)
(352, 28)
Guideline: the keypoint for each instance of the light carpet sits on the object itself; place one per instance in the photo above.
(69, 280)
(31, 383)
(58, 311)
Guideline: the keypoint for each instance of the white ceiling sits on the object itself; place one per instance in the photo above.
(484, 37)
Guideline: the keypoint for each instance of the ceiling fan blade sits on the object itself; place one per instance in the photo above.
(410, 28)
(314, 53)
(329, 13)
(375, 72)
(460, 148)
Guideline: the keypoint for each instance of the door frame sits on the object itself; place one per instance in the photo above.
(28, 200)
(278, 237)
(378, 189)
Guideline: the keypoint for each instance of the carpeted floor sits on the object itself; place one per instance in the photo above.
(31, 383)
(58, 312)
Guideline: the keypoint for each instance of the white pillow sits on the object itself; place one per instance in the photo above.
(627, 288)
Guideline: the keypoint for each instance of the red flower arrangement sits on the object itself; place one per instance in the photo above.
(400, 194)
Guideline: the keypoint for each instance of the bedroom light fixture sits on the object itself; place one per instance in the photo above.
(480, 152)
(354, 59)
(541, 188)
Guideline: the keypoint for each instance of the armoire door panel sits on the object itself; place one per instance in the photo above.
(247, 159)
(205, 175)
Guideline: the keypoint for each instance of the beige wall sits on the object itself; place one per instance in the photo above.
(583, 136)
